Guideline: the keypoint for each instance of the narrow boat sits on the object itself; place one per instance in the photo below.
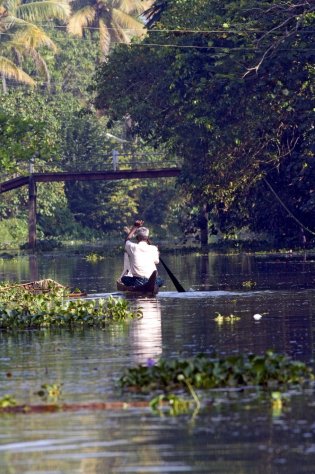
(149, 288)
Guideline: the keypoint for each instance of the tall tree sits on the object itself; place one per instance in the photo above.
(10, 70)
(229, 87)
(22, 38)
(116, 20)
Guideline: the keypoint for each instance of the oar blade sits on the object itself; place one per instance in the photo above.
(176, 283)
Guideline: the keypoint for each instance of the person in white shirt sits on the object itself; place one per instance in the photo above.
(141, 258)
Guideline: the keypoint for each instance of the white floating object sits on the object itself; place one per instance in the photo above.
(257, 317)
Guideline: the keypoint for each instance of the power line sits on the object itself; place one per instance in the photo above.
(179, 46)
(224, 48)
(179, 30)
(193, 46)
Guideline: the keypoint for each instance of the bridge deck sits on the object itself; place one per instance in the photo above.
(88, 176)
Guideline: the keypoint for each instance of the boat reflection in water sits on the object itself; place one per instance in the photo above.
(146, 333)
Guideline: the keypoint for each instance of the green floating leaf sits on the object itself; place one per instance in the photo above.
(269, 370)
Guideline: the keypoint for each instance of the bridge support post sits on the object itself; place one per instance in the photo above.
(32, 194)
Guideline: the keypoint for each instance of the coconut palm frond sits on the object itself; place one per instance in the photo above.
(147, 4)
(131, 7)
(3, 11)
(10, 70)
(9, 21)
(134, 26)
(40, 64)
(45, 10)
(80, 20)
(10, 5)
(32, 37)
(118, 34)
(18, 56)
(105, 38)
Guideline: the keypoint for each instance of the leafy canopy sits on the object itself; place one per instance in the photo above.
(228, 87)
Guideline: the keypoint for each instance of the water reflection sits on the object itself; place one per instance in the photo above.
(146, 333)
(33, 264)
(234, 435)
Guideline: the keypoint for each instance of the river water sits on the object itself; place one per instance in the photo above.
(236, 433)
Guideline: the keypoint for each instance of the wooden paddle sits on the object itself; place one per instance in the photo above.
(177, 285)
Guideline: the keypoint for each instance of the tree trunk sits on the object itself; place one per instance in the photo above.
(4, 84)
(203, 225)
(32, 213)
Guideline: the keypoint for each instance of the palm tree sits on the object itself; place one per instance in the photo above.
(116, 20)
(21, 37)
(9, 70)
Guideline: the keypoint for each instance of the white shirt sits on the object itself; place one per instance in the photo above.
(142, 258)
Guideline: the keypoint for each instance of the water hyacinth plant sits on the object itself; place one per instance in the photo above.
(202, 372)
(94, 257)
(231, 318)
(170, 405)
(50, 392)
(7, 401)
(20, 309)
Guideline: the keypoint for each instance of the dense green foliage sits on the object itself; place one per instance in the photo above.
(72, 137)
(17, 140)
(229, 87)
(73, 65)
(40, 118)
(203, 372)
(41, 127)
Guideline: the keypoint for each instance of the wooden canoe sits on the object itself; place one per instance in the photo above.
(149, 288)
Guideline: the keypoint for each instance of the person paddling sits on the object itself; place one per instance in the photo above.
(141, 258)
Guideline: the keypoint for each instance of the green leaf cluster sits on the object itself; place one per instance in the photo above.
(20, 309)
(19, 139)
(202, 372)
(229, 88)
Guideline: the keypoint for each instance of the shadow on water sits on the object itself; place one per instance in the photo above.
(237, 433)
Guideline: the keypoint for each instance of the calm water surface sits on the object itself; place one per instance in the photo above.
(235, 434)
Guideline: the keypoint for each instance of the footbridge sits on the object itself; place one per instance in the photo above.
(126, 170)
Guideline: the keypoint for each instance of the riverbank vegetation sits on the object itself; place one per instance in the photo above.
(223, 90)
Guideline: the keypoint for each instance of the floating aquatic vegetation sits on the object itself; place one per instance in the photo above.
(7, 401)
(50, 392)
(170, 405)
(276, 403)
(231, 318)
(20, 309)
(248, 284)
(202, 372)
(94, 257)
